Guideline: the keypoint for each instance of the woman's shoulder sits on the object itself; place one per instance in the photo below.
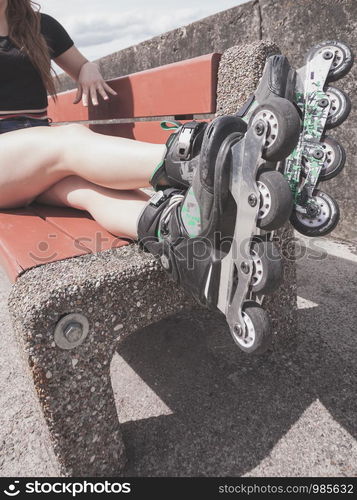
(56, 35)
(47, 19)
(48, 23)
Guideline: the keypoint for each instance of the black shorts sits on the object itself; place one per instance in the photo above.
(10, 124)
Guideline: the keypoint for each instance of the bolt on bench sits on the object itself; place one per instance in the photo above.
(78, 290)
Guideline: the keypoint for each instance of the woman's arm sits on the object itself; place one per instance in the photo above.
(86, 74)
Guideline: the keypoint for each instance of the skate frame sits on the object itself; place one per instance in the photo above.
(237, 265)
(315, 106)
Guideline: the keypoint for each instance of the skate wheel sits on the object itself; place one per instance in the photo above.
(257, 333)
(283, 122)
(335, 157)
(276, 200)
(321, 218)
(340, 107)
(342, 58)
(267, 267)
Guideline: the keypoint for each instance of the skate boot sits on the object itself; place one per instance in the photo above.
(181, 156)
(318, 157)
(272, 102)
(215, 238)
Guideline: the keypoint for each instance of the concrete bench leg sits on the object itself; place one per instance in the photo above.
(75, 393)
(118, 292)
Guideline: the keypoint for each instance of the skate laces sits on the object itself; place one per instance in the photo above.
(166, 213)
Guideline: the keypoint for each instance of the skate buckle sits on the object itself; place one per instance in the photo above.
(157, 198)
(184, 143)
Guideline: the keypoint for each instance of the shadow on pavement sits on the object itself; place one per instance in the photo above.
(227, 410)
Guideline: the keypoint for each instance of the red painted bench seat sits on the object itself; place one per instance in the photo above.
(38, 234)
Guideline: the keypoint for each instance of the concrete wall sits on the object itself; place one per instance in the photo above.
(212, 34)
(295, 25)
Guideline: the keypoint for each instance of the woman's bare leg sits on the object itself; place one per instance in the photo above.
(115, 210)
(32, 160)
(112, 162)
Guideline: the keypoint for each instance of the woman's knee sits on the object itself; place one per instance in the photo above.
(72, 130)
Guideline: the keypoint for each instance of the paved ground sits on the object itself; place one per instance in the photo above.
(191, 404)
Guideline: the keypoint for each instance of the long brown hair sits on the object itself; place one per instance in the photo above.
(24, 20)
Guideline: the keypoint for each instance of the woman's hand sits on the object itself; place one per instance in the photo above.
(90, 84)
(87, 75)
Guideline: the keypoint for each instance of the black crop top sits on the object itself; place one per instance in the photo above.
(21, 87)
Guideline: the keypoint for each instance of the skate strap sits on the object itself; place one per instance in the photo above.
(170, 125)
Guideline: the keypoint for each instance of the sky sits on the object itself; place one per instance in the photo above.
(101, 27)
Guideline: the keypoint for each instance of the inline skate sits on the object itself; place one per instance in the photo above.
(317, 157)
(219, 200)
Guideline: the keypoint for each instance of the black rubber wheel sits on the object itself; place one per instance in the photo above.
(284, 127)
(276, 200)
(334, 160)
(342, 58)
(340, 107)
(320, 223)
(257, 336)
(267, 267)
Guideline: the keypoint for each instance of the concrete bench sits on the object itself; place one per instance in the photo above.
(78, 291)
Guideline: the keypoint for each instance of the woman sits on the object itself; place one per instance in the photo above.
(28, 42)
(40, 160)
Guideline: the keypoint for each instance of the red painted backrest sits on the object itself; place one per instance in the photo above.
(178, 89)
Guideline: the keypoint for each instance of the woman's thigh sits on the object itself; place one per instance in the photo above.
(29, 164)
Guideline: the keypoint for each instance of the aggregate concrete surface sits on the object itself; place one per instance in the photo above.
(191, 403)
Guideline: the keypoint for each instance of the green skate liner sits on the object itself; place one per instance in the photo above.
(191, 216)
